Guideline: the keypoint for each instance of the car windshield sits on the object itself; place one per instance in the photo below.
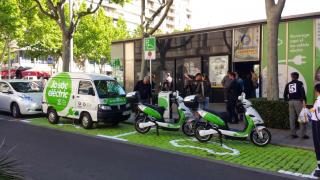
(26, 87)
(107, 88)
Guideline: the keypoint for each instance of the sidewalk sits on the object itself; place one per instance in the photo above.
(279, 136)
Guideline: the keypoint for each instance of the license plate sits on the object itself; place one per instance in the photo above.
(126, 113)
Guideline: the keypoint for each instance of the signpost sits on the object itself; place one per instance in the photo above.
(150, 52)
(50, 62)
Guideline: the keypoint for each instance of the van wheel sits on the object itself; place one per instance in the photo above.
(53, 117)
(15, 110)
(86, 121)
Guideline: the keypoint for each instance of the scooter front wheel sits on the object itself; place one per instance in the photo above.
(205, 138)
(141, 119)
(188, 128)
(260, 137)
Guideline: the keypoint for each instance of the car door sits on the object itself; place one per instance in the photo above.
(85, 99)
(5, 96)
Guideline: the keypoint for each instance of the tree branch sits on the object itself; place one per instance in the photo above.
(155, 14)
(52, 16)
(74, 25)
(182, 44)
(169, 3)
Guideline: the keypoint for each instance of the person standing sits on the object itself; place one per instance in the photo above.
(226, 83)
(143, 87)
(207, 90)
(255, 82)
(294, 93)
(234, 91)
(315, 119)
(199, 90)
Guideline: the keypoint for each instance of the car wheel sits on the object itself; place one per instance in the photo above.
(86, 121)
(15, 110)
(53, 117)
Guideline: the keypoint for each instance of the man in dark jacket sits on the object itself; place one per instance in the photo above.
(234, 91)
(144, 89)
(294, 93)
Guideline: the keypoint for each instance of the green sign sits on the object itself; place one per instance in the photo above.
(115, 101)
(58, 91)
(115, 62)
(150, 44)
(295, 54)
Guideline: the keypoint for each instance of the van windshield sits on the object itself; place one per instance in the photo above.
(107, 88)
(26, 87)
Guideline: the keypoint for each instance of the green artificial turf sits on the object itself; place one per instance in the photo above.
(271, 157)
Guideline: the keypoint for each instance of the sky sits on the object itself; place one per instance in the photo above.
(210, 13)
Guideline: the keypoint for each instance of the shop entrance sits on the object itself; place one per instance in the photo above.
(245, 69)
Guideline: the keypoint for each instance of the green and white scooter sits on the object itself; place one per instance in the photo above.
(159, 116)
(214, 124)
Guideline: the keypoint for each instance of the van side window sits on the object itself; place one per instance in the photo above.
(4, 87)
(85, 88)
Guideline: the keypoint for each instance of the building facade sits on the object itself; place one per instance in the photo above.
(178, 18)
(241, 48)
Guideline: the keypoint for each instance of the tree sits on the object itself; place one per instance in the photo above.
(41, 36)
(145, 25)
(11, 25)
(97, 30)
(56, 10)
(273, 11)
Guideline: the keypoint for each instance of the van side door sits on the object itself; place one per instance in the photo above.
(86, 97)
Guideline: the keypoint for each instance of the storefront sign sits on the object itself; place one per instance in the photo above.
(317, 64)
(246, 43)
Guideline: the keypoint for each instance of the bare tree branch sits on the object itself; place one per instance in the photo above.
(182, 44)
(169, 3)
(155, 14)
(50, 15)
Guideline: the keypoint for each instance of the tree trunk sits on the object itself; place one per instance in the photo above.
(65, 53)
(272, 69)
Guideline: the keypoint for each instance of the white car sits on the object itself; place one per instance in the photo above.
(21, 97)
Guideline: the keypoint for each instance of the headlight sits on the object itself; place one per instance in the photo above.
(104, 107)
(26, 98)
(128, 105)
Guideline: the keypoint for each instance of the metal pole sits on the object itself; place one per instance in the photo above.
(150, 80)
(9, 62)
(71, 40)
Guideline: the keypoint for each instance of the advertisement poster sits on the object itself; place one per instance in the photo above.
(218, 67)
(246, 44)
(282, 68)
(300, 53)
(299, 47)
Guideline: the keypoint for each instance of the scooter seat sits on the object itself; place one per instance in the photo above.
(157, 108)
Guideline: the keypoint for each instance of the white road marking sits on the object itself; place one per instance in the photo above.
(25, 121)
(233, 152)
(111, 137)
(117, 137)
(298, 174)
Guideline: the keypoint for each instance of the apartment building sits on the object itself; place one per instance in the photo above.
(178, 18)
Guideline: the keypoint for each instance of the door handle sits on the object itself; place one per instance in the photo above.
(73, 96)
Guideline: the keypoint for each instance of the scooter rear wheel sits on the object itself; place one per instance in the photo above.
(202, 138)
(261, 141)
(188, 128)
(141, 119)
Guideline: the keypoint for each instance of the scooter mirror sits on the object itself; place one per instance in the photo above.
(131, 94)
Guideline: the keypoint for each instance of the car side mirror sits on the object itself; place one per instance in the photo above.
(91, 92)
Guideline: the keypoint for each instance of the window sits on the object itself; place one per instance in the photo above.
(107, 88)
(4, 87)
(85, 88)
(27, 87)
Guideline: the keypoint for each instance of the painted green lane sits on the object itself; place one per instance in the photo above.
(271, 158)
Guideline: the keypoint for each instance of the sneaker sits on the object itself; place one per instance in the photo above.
(305, 137)
(316, 173)
(294, 136)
